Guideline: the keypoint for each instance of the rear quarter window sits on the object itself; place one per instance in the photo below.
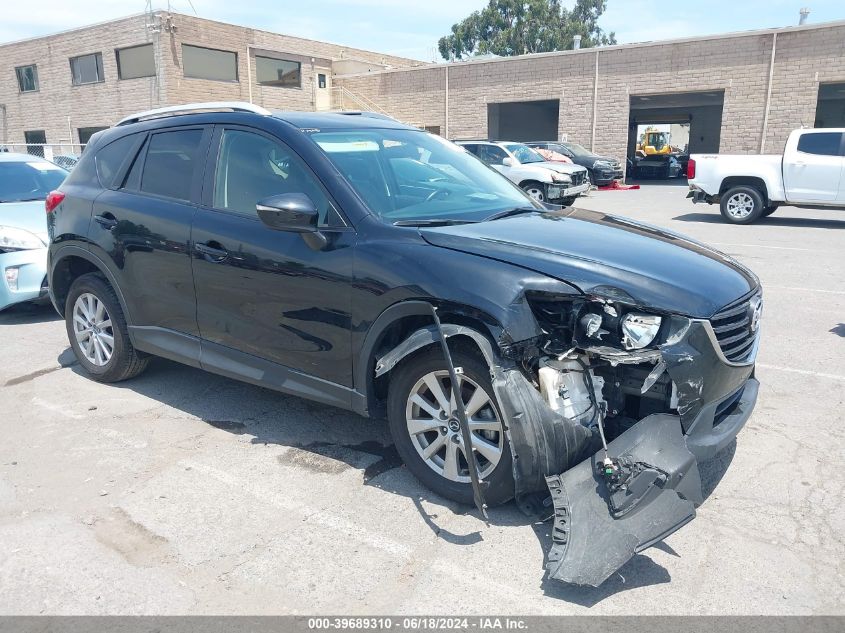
(112, 159)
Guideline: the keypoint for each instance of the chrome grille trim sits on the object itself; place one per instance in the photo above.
(730, 329)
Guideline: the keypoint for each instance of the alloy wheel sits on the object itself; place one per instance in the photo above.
(740, 205)
(432, 421)
(93, 329)
(536, 193)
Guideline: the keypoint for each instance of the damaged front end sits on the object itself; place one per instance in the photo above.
(611, 413)
(608, 412)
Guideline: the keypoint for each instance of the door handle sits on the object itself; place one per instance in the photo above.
(212, 252)
(106, 220)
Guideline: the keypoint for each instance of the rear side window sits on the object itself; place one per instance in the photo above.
(112, 159)
(170, 163)
(822, 143)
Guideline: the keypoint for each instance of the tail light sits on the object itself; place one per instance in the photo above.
(691, 169)
(54, 199)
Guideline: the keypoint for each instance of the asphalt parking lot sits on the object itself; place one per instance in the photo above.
(184, 492)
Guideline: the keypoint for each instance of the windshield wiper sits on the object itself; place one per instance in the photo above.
(432, 222)
(509, 212)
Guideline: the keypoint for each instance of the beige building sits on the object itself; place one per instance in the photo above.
(739, 92)
(60, 89)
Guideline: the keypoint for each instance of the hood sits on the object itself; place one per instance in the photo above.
(608, 256)
(29, 215)
(562, 168)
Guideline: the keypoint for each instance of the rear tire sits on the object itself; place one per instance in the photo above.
(98, 333)
(741, 205)
(408, 386)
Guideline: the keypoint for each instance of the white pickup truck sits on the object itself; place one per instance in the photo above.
(811, 173)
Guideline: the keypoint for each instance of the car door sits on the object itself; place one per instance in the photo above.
(142, 221)
(261, 293)
(812, 167)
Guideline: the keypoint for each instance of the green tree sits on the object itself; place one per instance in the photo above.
(515, 27)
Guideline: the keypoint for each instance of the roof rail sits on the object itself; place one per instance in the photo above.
(372, 115)
(189, 108)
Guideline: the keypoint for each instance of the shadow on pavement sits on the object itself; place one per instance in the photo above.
(812, 223)
(29, 313)
(329, 440)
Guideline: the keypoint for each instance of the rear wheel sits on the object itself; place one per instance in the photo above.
(741, 204)
(535, 189)
(424, 424)
(98, 333)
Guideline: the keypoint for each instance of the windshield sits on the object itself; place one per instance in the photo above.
(578, 150)
(408, 175)
(523, 153)
(28, 180)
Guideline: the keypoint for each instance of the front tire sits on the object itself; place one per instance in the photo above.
(535, 189)
(741, 205)
(97, 331)
(425, 428)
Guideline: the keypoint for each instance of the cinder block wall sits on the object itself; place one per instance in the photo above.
(739, 65)
(102, 104)
(58, 105)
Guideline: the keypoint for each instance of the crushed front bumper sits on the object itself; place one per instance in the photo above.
(30, 271)
(600, 525)
(558, 192)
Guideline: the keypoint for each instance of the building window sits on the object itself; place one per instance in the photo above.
(27, 78)
(136, 61)
(321, 80)
(209, 63)
(36, 139)
(87, 69)
(278, 72)
(85, 133)
(434, 129)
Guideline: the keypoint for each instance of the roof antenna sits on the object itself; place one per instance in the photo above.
(804, 12)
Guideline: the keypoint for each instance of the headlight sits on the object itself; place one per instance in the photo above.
(13, 239)
(638, 330)
(602, 164)
(556, 177)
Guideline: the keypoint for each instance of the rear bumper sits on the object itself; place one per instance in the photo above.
(31, 266)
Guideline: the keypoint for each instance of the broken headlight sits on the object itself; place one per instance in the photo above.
(561, 178)
(639, 330)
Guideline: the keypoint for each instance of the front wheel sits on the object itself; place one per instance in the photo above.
(741, 205)
(425, 428)
(535, 189)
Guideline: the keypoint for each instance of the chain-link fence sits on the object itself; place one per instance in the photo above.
(55, 152)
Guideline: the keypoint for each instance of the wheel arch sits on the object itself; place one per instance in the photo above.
(70, 263)
(406, 328)
(749, 181)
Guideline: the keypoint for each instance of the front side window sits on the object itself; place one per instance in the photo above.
(279, 72)
(170, 162)
(30, 180)
(136, 61)
(409, 175)
(252, 167)
(821, 143)
(87, 69)
(209, 63)
(27, 78)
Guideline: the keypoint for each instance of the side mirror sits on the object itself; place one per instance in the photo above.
(507, 161)
(293, 212)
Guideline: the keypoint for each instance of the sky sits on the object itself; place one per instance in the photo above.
(411, 28)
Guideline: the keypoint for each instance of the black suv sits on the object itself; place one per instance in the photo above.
(362, 263)
(602, 170)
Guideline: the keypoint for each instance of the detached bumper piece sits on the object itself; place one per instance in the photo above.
(600, 524)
